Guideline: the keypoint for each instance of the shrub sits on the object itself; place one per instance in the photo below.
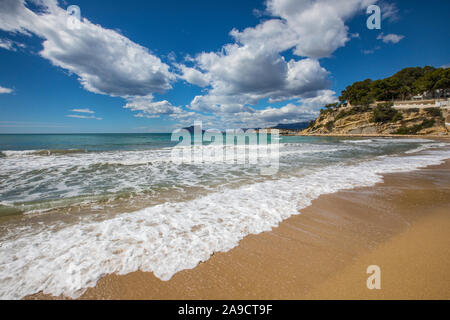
(398, 117)
(434, 112)
(403, 130)
(384, 113)
(329, 125)
(428, 123)
(329, 108)
(341, 115)
(352, 111)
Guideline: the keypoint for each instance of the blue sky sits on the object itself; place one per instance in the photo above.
(152, 66)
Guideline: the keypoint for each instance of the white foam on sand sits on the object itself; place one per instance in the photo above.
(171, 237)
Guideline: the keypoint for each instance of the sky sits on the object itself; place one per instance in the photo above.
(155, 66)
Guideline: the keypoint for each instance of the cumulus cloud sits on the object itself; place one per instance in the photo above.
(151, 109)
(316, 28)
(235, 79)
(240, 76)
(5, 90)
(193, 76)
(304, 109)
(254, 68)
(390, 38)
(272, 116)
(105, 61)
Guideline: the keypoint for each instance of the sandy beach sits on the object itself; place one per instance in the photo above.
(400, 225)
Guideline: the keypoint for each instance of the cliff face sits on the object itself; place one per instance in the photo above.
(379, 120)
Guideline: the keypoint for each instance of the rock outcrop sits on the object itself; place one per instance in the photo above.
(379, 120)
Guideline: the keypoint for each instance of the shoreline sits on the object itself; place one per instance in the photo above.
(314, 255)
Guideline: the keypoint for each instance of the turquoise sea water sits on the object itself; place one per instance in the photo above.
(87, 142)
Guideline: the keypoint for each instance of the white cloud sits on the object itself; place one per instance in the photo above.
(5, 90)
(151, 109)
(7, 44)
(81, 116)
(241, 77)
(147, 116)
(303, 110)
(389, 11)
(193, 76)
(392, 38)
(242, 73)
(371, 51)
(105, 61)
(83, 111)
(253, 68)
(319, 99)
(316, 28)
(78, 116)
(272, 116)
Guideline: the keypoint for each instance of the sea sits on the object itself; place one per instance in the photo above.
(77, 207)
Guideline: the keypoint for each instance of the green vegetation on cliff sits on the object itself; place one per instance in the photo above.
(361, 109)
(401, 86)
(384, 113)
(427, 123)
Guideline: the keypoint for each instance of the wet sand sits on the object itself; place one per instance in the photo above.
(414, 265)
(401, 225)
